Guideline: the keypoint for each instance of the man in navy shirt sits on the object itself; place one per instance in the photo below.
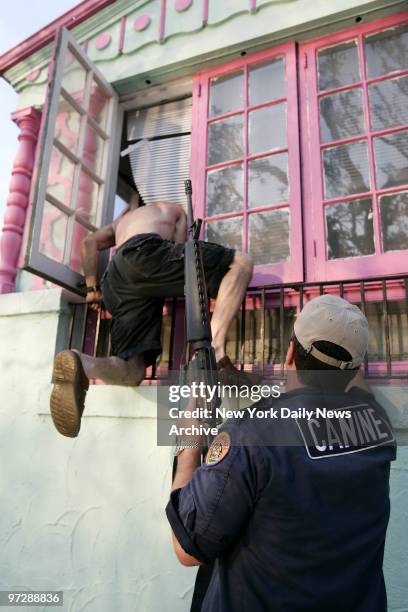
(294, 511)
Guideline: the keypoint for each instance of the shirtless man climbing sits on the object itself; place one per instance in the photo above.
(148, 267)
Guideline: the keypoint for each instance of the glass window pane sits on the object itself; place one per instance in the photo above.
(53, 232)
(350, 229)
(346, 170)
(226, 94)
(267, 81)
(93, 150)
(68, 123)
(269, 236)
(267, 129)
(227, 232)
(87, 200)
(338, 66)
(394, 221)
(60, 177)
(225, 140)
(268, 180)
(389, 103)
(391, 160)
(98, 104)
(341, 115)
(225, 190)
(74, 77)
(78, 234)
(387, 51)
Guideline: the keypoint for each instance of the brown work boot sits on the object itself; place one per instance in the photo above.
(68, 395)
(230, 375)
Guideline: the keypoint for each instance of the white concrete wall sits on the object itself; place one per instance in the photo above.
(87, 515)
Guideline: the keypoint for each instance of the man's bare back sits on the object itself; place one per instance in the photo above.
(167, 220)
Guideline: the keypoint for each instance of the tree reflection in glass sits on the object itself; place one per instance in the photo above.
(227, 232)
(391, 160)
(394, 221)
(268, 180)
(269, 236)
(350, 229)
(346, 169)
(225, 140)
(225, 190)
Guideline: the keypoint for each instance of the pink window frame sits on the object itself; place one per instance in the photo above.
(282, 272)
(318, 267)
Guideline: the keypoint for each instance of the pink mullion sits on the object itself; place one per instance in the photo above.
(387, 131)
(245, 237)
(387, 77)
(225, 116)
(221, 217)
(347, 198)
(366, 107)
(335, 143)
(226, 164)
(330, 92)
(237, 162)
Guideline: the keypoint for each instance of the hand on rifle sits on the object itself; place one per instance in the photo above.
(94, 299)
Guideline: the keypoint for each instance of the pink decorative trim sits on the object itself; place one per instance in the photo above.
(142, 22)
(162, 30)
(183, 5)
(252, 6)
(122, 33)
(205, 10)
(85, 46)
(71, 18)
(33, 76)
(103, 40)
(28, 120)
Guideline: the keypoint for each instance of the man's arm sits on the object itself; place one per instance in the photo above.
(100, 240)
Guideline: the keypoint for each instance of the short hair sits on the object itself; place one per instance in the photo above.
(309, 366)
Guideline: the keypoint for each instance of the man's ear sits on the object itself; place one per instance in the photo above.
(290, 357)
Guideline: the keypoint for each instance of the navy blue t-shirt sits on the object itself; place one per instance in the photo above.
(295, 514)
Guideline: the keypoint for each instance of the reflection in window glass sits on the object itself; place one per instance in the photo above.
(225, 140)
(87, 200)
(338, 66)
(225, 190)
(269, 236)
(394, 221)
(227, 232)
(68, 123)
(346, 170)
(391, 160)
(389, 103)
(387, 51)
(226, 94)
(98, 104)
(60, 177)
(53, 232)
(93, 150)
(268, 180)
(79, 233)
(267, 129)
(350, 229)
(267, 81)
(74, 77)
(341, 115)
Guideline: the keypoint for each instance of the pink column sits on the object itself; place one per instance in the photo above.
(28, 120)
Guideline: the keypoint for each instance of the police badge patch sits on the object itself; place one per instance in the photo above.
(218, 449)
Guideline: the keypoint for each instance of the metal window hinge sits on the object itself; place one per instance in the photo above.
(199, 90)
(314, 249)
(305, 61)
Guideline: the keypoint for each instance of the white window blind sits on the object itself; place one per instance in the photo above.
(160, 158)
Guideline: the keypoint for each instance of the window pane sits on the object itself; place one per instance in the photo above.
(68, 123)
(268, 180)
(269, 236)
(341, 115)
(227, 232)
(387, 51)
(53, 232)
(227, 94)
(338, 66)
(267, 81)
(394, 221)
(225, 140)
(225, 190)
(350, 229)
(391, 160)
(267, 129)
(87, 201)
(74, 77)
(78, 235)
(389, 103)
(98, 104)
(346, 170)
(93, 150)
(60, 177)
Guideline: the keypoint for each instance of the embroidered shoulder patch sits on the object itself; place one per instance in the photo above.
(218, 449)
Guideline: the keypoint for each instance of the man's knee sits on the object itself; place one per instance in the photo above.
(244, 262)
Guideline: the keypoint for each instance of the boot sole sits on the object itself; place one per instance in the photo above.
(68, 395)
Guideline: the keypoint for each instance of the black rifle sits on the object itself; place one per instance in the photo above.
(202, 366)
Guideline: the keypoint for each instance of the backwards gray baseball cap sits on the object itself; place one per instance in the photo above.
(335, 320)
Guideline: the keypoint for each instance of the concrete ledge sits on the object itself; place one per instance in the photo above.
(32, 302)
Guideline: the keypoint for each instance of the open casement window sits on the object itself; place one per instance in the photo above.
(356, 152)
(77, 166)
(245, 162)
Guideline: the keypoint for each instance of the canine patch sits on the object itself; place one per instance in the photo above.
(218, 449)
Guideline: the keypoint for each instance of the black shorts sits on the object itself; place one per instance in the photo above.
(145, 270)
